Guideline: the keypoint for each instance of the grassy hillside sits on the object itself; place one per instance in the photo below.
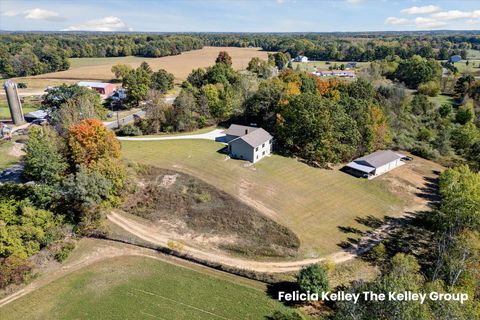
(141, 288)
(311, 202)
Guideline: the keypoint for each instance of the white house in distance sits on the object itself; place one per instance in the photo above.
(300, 59)
(376, 163)
(335, 73)
(248, 143)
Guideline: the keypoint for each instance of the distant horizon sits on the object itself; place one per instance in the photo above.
(243, 32)
(239, 16)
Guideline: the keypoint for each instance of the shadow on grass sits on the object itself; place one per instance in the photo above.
(274, 289)
(430, 191)
(223, 150)
(410, 233)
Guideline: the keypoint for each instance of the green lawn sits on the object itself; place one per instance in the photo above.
(473, 54)
(442, 99)
(5, 111)
(6, 160)
(472, 68)
(141, 288)
(312, 202)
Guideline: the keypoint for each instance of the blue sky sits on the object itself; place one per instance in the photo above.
(237, 15)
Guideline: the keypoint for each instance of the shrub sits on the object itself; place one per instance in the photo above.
(22, 85)
(203, 197)
(425, 151)
(129, 130)
(430, 88)
(378, 253)
(313, 278)
(64, 251)
(13, 270)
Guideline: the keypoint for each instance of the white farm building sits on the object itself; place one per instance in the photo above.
(248, 143)
(376, 163)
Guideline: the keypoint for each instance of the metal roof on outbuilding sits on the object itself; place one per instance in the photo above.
(94, 84)
(380, 158)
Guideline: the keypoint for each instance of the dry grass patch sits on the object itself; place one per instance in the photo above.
(190, 206)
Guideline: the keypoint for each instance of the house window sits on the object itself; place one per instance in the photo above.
(256, 149)
(263, 145)
(263, 153)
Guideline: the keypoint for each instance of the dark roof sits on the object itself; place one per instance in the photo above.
(254, 138)
(239, 130)
(379, 158)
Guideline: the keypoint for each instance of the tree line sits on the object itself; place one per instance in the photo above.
(23, 54)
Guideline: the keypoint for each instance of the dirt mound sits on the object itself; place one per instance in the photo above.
(192, 207)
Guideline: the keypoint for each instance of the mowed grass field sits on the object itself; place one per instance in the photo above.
(180, 65)
(312, 202)
(131, 287)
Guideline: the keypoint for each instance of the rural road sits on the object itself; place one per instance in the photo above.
(215, 135)
(125, 120)
(152, 236)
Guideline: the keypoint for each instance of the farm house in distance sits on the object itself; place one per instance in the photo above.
(335, 73)
(248, 143)
(375, 164)
(103, 88)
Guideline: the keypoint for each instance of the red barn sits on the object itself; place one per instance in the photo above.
(103, 88)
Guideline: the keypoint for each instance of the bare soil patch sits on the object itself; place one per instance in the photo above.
(207, 216)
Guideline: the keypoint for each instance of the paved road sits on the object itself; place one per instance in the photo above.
(125, 120)
(216, 135)
(114, 125)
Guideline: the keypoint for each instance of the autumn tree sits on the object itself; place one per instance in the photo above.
(90, 141)
(224, 57)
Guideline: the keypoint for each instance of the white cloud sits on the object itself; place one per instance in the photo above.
(473, 21)
(41, 14)
(35, 14)
(110, 23)
(421, 10)
(396, 21)
(355, 1)
(10, 13)
(456, 14)
(280, 1)
(428, 23)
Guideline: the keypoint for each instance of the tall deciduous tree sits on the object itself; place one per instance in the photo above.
(43, 161)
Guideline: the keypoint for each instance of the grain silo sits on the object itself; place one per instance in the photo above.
(14, 102)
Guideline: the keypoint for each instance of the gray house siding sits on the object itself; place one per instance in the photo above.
(241, 150)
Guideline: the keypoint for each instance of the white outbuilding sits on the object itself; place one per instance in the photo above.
(377, 163)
